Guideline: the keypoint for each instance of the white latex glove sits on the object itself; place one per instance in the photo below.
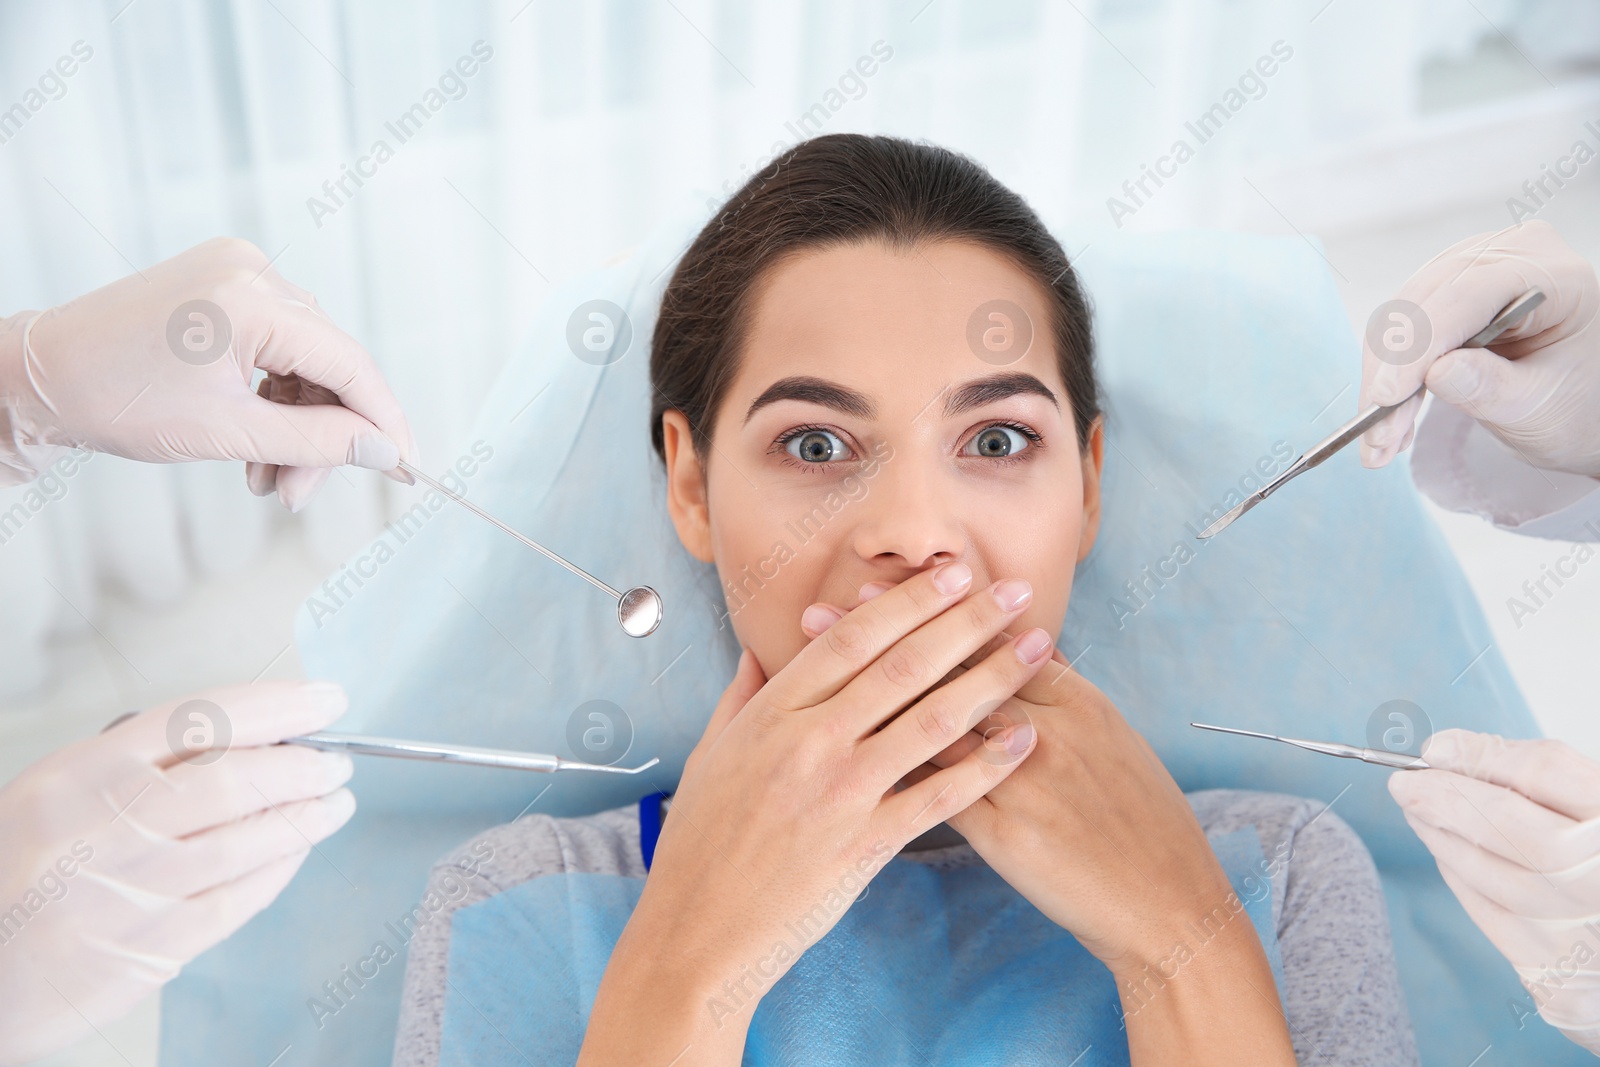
(1537, 389)
(122, 863)
(139, 370)
(1515, 828)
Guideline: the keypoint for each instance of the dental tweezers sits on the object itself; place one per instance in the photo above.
(1401, 761)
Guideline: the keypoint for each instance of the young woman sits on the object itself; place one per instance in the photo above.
(898, 700)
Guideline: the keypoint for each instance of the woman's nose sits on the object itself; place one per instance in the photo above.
(909, 519)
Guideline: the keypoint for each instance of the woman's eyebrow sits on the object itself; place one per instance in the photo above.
(815, 391)
(983, 391)
(969, 395)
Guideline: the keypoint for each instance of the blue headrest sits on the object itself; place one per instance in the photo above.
(1223, 356)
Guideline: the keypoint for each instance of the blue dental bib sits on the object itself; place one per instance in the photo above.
(927, 967)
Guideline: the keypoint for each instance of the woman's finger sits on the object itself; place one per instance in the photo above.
(958, 749)
(948, 713)
(917, 662)
(816, 620)
(747, 682)
(953, 790)
(819, 617)
(849, 646)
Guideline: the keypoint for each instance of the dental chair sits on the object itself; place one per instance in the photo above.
(1336, 611)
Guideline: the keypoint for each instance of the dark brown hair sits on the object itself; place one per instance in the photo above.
(845, 188)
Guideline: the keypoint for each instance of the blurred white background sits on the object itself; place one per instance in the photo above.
(1392, 130)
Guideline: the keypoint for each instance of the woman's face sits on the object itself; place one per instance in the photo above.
(864, 439)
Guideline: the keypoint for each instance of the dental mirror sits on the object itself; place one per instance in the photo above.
(638, 609)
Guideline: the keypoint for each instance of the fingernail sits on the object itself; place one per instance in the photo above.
(1018, 738)
(337, 808)
(1440, 749)
(346, 800)
(338, 766)
(329, 696)
(952, 578)
(817, 618)
(375, 451)
(1033, 646)
(262, 478)
(1400, 788)
(872, 589)
(1013, 593)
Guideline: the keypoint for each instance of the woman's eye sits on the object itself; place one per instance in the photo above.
(817, 446)
(995, 442)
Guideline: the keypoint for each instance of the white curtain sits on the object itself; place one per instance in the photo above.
(584, 124)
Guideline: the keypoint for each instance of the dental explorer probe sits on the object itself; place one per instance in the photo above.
(1400, 761)
(364, 745)
(638, 609)
(1509, 316)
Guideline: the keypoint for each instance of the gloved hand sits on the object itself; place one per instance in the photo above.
(1515, 828)
(1537, 389)
(158, 366)
(122, 863)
